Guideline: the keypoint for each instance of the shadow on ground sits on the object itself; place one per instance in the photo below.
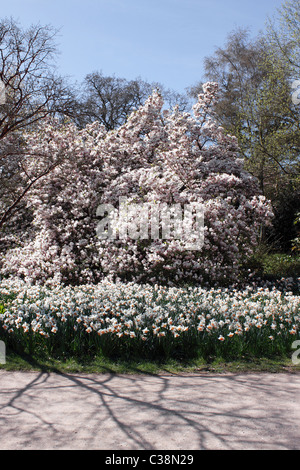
(43, 410)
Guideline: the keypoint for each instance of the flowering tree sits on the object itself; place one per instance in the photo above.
(160, 157)
(57, 245)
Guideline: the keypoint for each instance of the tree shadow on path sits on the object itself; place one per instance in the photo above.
(46, 410)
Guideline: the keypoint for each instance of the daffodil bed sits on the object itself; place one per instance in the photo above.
(118, 319)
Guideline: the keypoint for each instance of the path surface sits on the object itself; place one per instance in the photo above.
(125, 412)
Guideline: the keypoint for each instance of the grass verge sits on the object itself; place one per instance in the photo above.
(103, 365)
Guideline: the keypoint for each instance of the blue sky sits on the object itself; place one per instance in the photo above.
(156, 40)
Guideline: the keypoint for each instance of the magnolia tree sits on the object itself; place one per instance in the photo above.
(159, 159)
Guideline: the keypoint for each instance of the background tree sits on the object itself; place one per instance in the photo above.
(256, 106)
(31, 92)
(110, 100)
(27, 70)
(283, 34)
(283, 40)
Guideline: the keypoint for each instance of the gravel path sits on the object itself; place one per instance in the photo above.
(138, 412)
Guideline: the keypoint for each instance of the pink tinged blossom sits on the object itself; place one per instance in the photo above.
(155, 157)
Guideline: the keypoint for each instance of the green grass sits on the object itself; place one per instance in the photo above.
(271, 266)
(281, 265)
(102, 365)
